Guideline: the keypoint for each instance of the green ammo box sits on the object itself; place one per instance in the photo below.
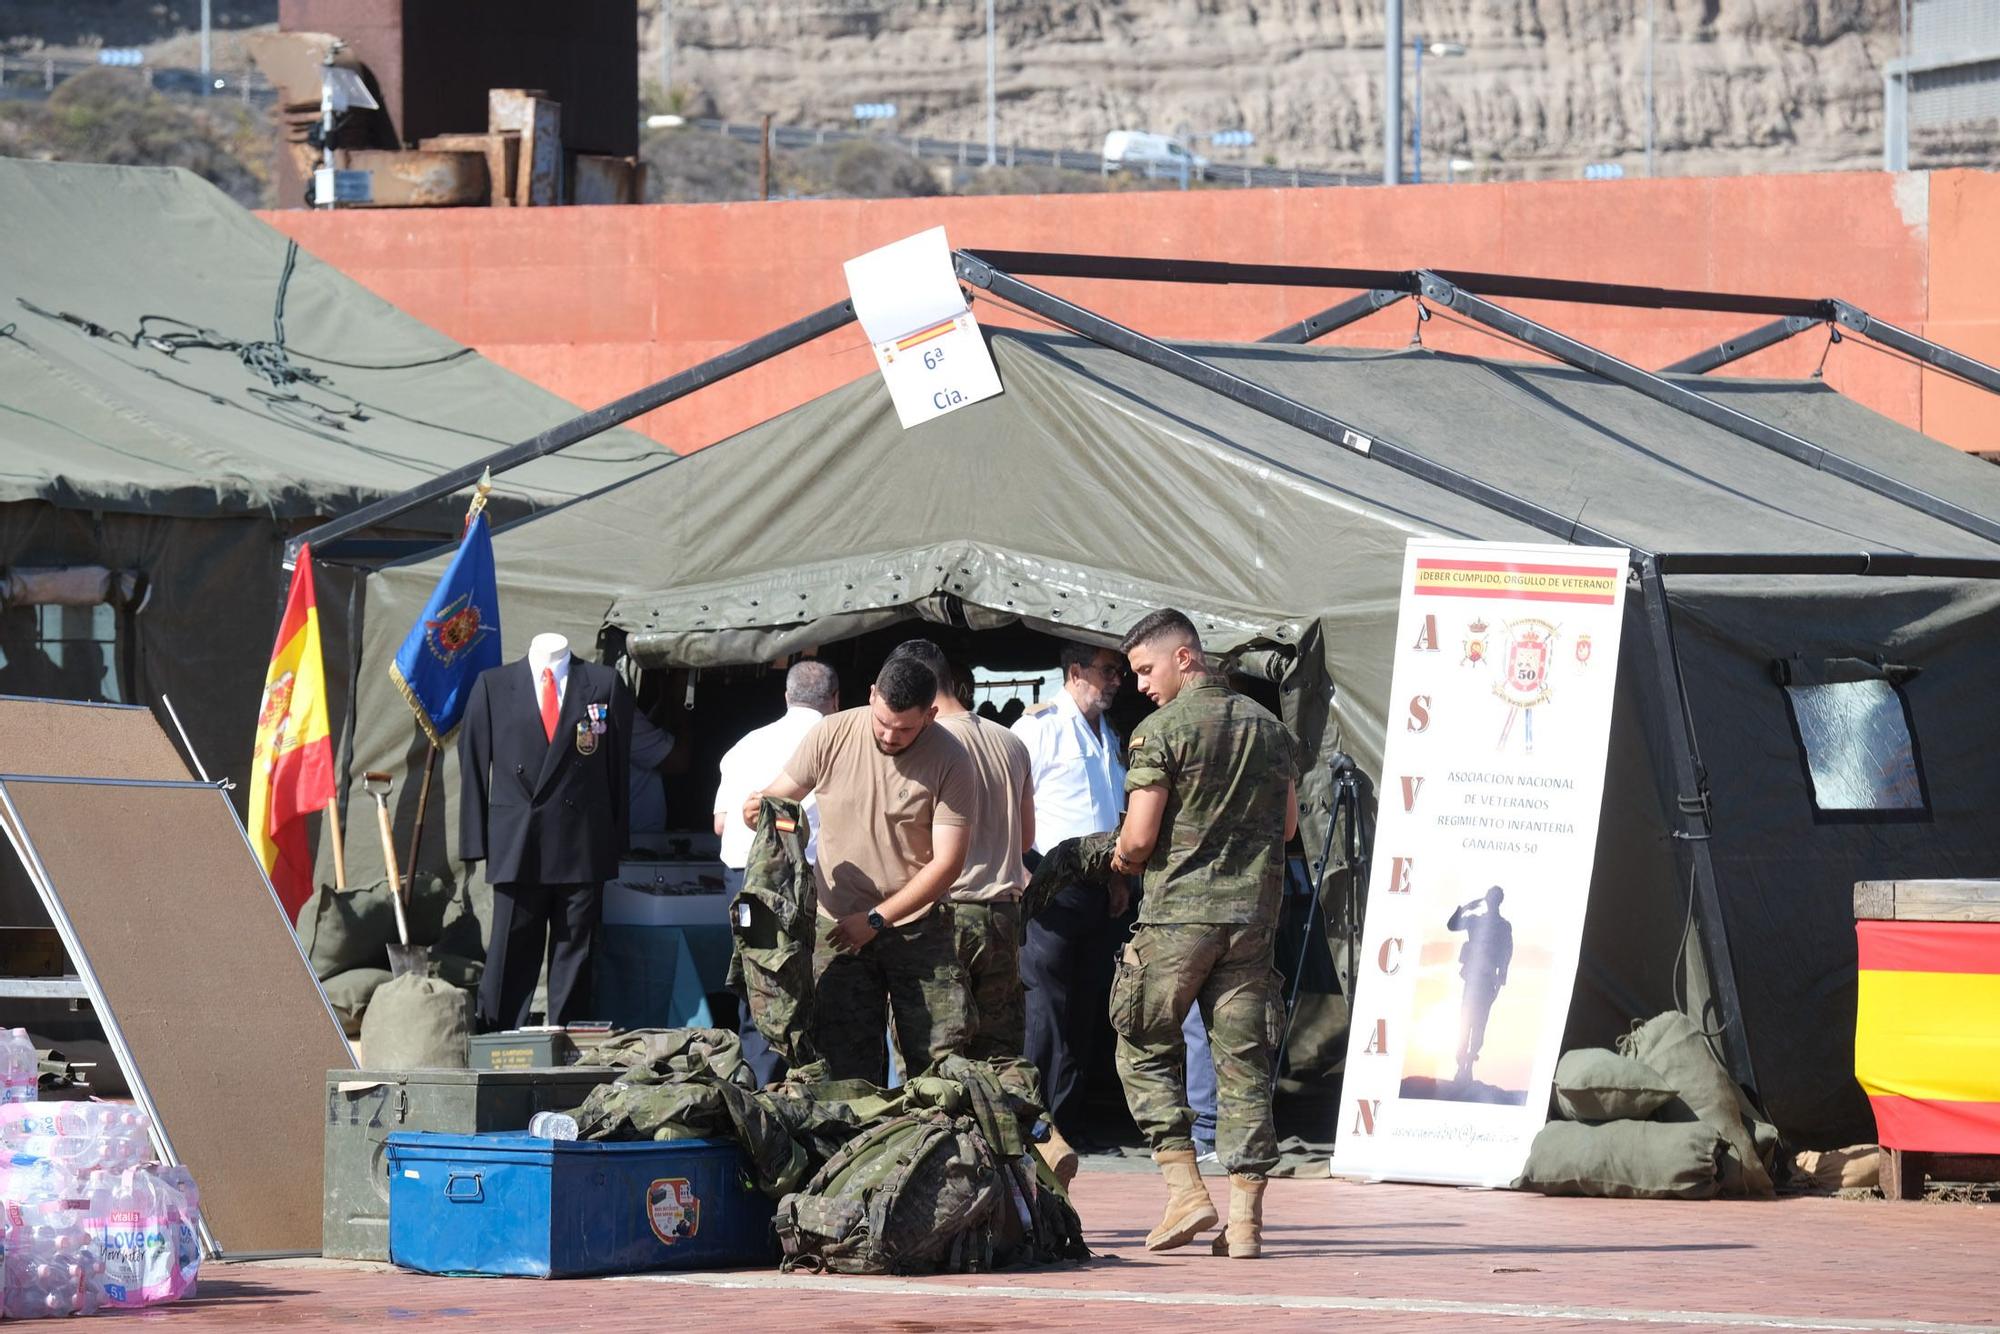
(364, 1107)
(521, 1051)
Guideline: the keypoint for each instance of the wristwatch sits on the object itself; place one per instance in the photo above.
(875, 922)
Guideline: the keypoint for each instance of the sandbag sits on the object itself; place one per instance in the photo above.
(353, 928)
(456, 969)
(417, 1023)
(1627, 1160)
(1857, 1167)
(1597, 1084)
(349, 993)
(1674, 1046)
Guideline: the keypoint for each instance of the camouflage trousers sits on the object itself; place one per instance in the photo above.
(1227, 971)
(911, 972)
(989, 950)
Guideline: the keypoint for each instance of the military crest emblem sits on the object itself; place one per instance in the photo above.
(673, 1210)
(1474, 645)
(1583, 650)
(454, 630)
(1524, 676)
(274, 717)
(1525, 680)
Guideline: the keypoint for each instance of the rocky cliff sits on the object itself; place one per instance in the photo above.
(1543, 87)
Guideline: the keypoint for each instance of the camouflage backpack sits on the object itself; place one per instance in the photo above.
(916, 1194)
(773, 919)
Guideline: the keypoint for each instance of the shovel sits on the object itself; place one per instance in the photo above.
(404, 958)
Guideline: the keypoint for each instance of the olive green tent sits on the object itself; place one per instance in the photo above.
(1096, 487)
(181, 389)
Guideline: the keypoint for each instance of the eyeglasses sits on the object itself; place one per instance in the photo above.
(1109, 671)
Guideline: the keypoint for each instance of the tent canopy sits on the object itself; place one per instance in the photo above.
(1096, 487)
(164, 352)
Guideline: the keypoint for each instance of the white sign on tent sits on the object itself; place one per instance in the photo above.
(1492, 780)
(927, 345)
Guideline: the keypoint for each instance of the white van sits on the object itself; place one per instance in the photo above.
(1136, 148)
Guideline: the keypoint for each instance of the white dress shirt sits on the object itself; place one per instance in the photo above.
(752, 765)
(1079, 773)
(540, 656)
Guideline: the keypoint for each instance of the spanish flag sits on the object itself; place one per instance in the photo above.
(1927, 1034)
(291, 774)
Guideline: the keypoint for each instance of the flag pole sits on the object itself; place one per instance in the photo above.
(423, 804)
(479, 495)
(339, 852)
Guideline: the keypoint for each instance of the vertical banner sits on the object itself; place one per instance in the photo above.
(1492, 780)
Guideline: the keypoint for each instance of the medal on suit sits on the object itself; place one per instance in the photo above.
(586, 739)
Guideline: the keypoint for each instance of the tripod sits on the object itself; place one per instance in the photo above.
(1350, 818)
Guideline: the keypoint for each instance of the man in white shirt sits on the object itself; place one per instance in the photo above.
(812, 691)
(1066, 963)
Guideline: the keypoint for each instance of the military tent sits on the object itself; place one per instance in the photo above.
(182, 389)
(1098, 486)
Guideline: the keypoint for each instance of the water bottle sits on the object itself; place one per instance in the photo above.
(22, 1068)
(18, 1120)
(27, 1182)
(51, 1270)
(552, 1125)
(84, 1153)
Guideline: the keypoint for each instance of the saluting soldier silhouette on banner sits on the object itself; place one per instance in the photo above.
(1482, 964)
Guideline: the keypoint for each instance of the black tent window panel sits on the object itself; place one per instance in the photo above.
(65, 632)
(1857, 739)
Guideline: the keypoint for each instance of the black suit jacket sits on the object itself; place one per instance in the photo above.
(540, 812)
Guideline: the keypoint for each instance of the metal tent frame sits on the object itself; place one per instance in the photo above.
(999, 274)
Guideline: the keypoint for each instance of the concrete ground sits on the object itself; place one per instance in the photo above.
(1372, 1258)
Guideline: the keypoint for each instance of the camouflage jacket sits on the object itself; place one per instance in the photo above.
(773, 919)
(1074, 861)
(1225, 763)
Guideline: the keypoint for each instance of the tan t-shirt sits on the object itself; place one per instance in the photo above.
(876, 811)
(1005, 779)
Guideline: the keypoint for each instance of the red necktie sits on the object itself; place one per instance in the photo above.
(549, 703)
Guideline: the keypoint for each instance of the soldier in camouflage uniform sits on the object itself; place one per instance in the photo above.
(896, 796)
(1211, 800)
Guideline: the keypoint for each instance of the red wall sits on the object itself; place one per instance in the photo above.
(596, 302)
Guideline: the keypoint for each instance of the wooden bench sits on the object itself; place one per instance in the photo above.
(1904, 1171)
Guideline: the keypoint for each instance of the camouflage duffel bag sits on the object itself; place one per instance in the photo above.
(917, 1194)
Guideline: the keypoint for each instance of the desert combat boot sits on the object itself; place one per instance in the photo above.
(1243, 1239)
(1189, 1210)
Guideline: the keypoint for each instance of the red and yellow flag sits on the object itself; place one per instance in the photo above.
(1927, 1034)
(291, 774)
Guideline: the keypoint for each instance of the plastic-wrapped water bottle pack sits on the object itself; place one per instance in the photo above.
(87, 1218)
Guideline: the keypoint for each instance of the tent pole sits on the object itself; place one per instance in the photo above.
(1741, 346)
(1923, 349)
(1584, 357)
(1127, 268)
(1335, 317)
(585, 425)
(1691, 826)
(1252, 395)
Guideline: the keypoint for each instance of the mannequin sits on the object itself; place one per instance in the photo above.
(550, 651)
(544, 803)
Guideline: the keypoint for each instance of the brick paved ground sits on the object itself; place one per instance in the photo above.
(1372, 1258)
